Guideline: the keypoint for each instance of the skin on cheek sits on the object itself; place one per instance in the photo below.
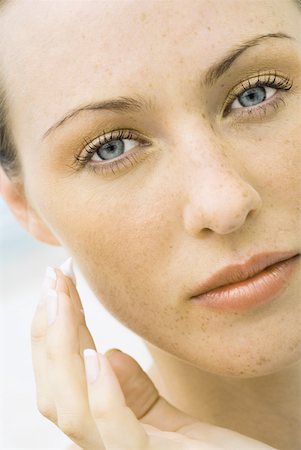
(134, 255)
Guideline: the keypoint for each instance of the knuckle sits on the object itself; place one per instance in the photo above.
(71, 425)
(36, 338)
(52, 353)
(37, 332)
(56, 349)
(46, 409)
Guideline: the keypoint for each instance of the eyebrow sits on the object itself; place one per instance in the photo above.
(218, 69)
(138, 103)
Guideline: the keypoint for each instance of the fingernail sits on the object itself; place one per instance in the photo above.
(49, 278)
(91, 365)
(67, 269)
(49, 281)
(51, 305)
(112, 350)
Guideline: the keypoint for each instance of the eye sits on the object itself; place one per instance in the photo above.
(253, 96)
(113, 153)
(113, 149)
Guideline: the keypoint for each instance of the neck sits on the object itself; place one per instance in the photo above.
(266, 408)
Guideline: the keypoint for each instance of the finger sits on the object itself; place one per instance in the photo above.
(142, 396)
(85, 338)
(45, 402)
(69, 287)
(138, 389)
(117, 424)
(67, 269)
(66, 368)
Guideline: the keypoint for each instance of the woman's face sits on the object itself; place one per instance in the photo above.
(202, 177)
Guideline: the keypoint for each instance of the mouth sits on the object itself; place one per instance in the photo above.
(240, 286)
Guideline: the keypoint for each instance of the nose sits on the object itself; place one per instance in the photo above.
(219, 200)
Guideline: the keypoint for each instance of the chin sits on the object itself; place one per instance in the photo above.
(261, 368)
(249, 367)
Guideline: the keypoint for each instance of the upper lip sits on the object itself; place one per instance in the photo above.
(240, 272)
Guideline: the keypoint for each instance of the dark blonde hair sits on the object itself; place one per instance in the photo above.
(8, 152)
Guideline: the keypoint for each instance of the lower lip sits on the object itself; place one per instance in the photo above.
(255, 291)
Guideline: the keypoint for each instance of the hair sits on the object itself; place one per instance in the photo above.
(8, 152)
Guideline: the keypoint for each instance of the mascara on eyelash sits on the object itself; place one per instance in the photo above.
(101, 140)
(284, 83)
(127, 160)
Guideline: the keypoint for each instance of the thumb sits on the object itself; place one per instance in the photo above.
(142, 396)
(116, 423)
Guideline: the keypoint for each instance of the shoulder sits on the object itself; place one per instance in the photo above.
(73, 447)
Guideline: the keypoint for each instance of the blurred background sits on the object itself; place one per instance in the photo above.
(23, 261)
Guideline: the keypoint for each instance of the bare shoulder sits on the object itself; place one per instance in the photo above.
(74, 447)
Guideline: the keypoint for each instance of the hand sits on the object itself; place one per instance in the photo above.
(107, 402)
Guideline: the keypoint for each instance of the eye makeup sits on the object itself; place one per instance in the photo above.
(123, 162)
(263, 80)
(108, 166)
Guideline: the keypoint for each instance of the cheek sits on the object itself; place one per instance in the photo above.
(283, 184)
(121, 243)
(283, 172)
(273, 161)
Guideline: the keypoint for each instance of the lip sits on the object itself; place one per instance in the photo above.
(241, 286)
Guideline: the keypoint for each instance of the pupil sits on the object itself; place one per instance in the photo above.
(111, 149)
(252, 96)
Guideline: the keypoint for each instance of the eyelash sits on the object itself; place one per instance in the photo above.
(263, 80)
(132, 157)
(127, 160)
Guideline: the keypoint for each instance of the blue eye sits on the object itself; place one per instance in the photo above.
(253, 96)
(113, 149)
(114, 153)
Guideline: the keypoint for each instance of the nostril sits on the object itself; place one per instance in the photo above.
(252, 214)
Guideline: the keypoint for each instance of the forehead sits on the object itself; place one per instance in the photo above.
(59, 54)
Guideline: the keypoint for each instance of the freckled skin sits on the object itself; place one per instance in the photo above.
(213, 191)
